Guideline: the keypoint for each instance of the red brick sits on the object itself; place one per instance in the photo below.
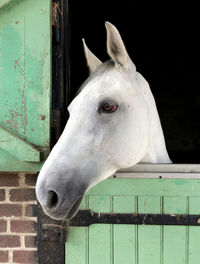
(20, 195)
(9, 241)
(3, 256)
(31, 210)
(30, 179)
(30, 241)
(9, 179)
(2, 194)
(3, 225)
(23, 256)
(10, 210)
(22, 226)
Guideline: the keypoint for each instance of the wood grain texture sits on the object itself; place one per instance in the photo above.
(105, 243)
(25, 79)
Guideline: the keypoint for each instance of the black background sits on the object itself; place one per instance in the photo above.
(163, 41)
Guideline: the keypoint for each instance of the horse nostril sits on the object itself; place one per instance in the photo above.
(52, 199)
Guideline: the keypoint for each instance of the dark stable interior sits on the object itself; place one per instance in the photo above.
(163, 42)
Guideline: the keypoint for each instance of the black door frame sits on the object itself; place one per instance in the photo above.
(51, 234)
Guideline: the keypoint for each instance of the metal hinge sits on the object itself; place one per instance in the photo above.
(88, 217)
(53, 233)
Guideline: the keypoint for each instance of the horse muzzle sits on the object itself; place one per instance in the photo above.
(60, 201)
(59, 211)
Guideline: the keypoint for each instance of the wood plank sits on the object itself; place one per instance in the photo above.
(12, 83)
(125, 236)
(194, 232)
(77, 241)
(125, 239)
(194, 205)
(149, 205)
(149, 247)
(175, 238)
(100, 236)
(174, 245)
(175, 205)
(100, 244)
(193, 251)
(77, 246)
(149, 237)
(9, 162)
(124, 204)
(152, 187)
(37, 71)
(18, 147)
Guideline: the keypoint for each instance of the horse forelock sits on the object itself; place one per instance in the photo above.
(101, 70)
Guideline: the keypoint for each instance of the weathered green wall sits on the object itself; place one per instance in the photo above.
(25, 83)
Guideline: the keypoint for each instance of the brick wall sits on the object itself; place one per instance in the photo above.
(18, 219)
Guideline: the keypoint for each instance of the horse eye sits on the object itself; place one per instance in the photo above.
(108, 107)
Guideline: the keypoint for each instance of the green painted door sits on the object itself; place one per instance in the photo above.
(25, 83)
(138, 244)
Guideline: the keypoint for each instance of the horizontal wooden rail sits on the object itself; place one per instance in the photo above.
(88, 217)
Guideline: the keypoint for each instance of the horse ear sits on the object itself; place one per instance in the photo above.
(115, 46)
(92, 61)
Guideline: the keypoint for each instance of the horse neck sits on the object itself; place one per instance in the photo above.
(156, 151)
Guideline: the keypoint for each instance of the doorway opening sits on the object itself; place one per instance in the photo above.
(163, 43)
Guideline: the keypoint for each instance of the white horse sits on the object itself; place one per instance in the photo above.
(113, 124)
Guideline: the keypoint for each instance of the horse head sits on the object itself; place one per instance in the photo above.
(113, 124)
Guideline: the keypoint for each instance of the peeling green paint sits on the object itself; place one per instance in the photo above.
(25, 75)
(17, 147)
